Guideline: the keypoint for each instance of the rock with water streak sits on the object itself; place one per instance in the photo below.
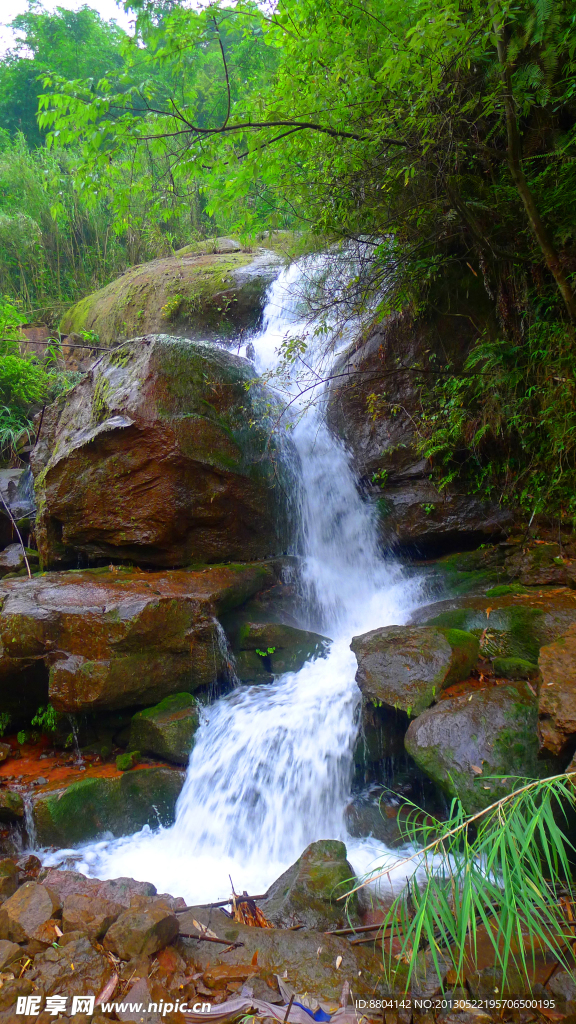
(168, 729)
(279, 647)
(407, 667)
(462, 741)
(102, 639)
(307, 893)
(160, 456)
(24, 913)
(120, 805)
(141, 932)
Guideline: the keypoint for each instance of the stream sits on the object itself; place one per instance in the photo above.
(271, 769)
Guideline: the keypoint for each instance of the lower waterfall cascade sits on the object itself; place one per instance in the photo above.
(271, 768)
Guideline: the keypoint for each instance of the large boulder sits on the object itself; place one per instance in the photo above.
(270, 648)
(375, 406)
(463, 740)
(557, 701)
(141, 932)
(407, 667)
(308, 892)
(93, 806)
(160, 456)
(207, 291)
(166, 730)
(115, 638)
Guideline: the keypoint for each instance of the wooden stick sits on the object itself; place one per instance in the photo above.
(354, 931)
(209, 938)
(222, 903)
(289, 1008)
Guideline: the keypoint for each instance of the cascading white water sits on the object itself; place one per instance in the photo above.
(271, 768)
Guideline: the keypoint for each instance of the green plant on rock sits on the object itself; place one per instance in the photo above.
(264, 654)
(506, 868)
(46, 718)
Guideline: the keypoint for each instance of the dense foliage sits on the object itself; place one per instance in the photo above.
(441, 134)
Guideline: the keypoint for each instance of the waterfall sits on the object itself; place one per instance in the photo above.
(271, 768)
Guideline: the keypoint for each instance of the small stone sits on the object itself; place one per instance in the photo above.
(23, 913)
(90, 914)
(11, 806)
(5, 751)
(124, 762)
(141, 932)
(224, 974)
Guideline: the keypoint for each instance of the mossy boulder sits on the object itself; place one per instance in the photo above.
(125, 762)
(106, 639)
(515, 668)
(160, 456)
(407, 667)
(280, 648)
(463, 740)
(120, 805)
(307, 893)
(202, 291)
(166, 730)
(513, 625)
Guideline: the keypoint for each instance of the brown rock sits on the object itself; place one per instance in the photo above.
(218, 977)
(11, 990)
(74, 969)
(123, 637)
(118, 890)
(9, 878)
(91, 914)
(9, 952)
(557, 699)
(30, 907)
(159, 456)
(141, 932)
(5, 751)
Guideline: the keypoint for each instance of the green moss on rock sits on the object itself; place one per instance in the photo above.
(515, 668)
(122, 805)
(168, 729)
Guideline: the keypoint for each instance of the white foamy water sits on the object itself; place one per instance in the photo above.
(271, 768)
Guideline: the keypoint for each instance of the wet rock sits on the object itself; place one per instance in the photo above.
(24, 913)
(5, 751)
(515, 668)
(114, 638)
(89, 914)
(307, 893)
(11, 805)
(540, 564)
(407, 667)
(73, 969)
(511, 624)
(9, 878)
(9, 952)
(168, 729)
(159, 456)
(252, 668)
(462, 740)
(120, 805)
(557, 700)
(142, 932)
(283, 648)
(201, 291)
(413, 514)
(11, 559)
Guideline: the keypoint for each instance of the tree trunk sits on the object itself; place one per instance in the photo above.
(515, 164)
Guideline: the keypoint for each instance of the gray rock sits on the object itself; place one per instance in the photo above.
(307, 893)
(563, 986)
(407, 667)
